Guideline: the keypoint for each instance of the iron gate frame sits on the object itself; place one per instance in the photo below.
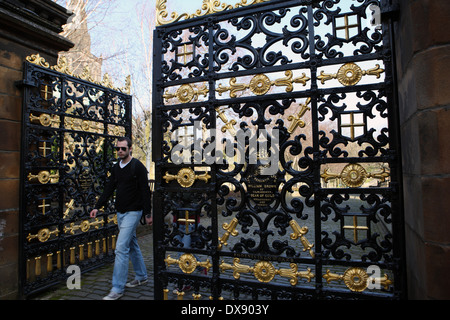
(74, 112)
(164, 78)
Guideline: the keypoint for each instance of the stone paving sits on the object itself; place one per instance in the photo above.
(97, 283)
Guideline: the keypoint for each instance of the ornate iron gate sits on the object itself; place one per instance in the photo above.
(297, 194)
(70, 125)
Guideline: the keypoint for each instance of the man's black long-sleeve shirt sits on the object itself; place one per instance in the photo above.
(132, 191)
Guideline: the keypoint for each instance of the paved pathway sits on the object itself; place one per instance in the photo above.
(97, 283)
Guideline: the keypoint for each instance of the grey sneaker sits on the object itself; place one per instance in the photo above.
(136, 283)
(113, 296)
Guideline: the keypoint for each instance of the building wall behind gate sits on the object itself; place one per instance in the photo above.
(22, 33)
(423, 66)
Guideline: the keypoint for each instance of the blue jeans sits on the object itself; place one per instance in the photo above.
(127, 248)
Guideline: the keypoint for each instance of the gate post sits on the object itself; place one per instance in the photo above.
(19, 38)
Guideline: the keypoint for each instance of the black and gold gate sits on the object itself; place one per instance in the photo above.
(70, 125)
(276, 150)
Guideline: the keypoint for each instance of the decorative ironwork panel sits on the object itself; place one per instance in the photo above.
(276, 151)
(70, 125)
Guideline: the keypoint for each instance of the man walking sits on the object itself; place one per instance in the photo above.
(133, 197)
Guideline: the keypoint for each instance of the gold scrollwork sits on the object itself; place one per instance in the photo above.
(230, 229)
(186, 177)
(208, 7)
(44, 177)
(83, 125)
(43, 235)
(38, 60)
(354, 175)
(63, 67)
(186, 93)
(261, 84)
(265, 271)
(300, 233)
(188, 263)
(350, 74)
(85, 226)
(357, 279)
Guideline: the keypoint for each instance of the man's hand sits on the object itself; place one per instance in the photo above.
(93, 213)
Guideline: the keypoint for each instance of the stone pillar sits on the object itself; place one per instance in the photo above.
(423, 67)
(26, 27)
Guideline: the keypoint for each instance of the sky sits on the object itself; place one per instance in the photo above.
(123, 37)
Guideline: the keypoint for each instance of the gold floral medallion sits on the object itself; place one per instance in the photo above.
(186, 177)
(356, 279)
(354, 175)
(264, 271)
(185, 93)
(349, 74)
(187, 263)
(260, 84)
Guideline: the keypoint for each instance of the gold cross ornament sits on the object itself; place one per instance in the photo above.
(46, 93)
(185, 53)
(352, 125)
(187, 221)
(355, 229)
(347, 27)
(43, 206)
(44, 149)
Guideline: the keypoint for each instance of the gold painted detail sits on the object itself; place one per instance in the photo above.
(350, 74)
(44, 177)
(355, 227)
(352, 125)
(261, 84)
(70, 207)
(38, 60)
(83, 125)
(357, 279)
(186, 177)
(187, 221)
(44, 207)
(113, 219)
(63, 67)
(230, 229)
(46, 120)
(187, 263)
(43, 235)
(186, 93)
(208, 7)
(297, 119)
(265, 271)
(354, 175)
(300, 233)
(229, 124)
(85, 226)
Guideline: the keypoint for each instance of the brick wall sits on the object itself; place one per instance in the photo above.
(22, 33)
(423, 66)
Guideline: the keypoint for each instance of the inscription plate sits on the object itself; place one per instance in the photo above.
(262, 189)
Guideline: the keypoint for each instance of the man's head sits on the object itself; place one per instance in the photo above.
(124, 148)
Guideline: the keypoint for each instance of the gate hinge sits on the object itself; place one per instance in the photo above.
(25, 83)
